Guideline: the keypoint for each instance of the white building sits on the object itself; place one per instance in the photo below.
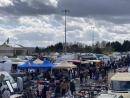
(6, 50)
(15, 50)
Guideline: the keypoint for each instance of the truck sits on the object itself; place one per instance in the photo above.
(119, 86)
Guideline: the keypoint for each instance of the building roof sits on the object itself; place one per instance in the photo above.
(5, 45)
(12, 45)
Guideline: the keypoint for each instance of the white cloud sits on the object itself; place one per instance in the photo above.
(4, 3)
(46, 30)
(46, 2)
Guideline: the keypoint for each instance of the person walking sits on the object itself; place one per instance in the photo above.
(81, 77)
(64, 87)
(57, 91)
(72, 87)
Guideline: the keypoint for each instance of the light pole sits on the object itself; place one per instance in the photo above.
(65, 45)
(93, 38)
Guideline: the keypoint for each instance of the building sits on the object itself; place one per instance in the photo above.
(9, 50)
(6, 50)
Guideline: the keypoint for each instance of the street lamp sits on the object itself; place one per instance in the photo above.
(93, 37)
(65, 45)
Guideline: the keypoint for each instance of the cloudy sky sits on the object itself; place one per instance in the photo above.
(41, 22)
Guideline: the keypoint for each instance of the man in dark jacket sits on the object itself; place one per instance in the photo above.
(72, 87)
(57, 91)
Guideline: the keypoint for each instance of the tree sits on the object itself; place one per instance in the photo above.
(97, 44)
(74, 48)
(97, 50)
(126, 46)
(103, 44)
(88, 49)
(116, 46)
(59, 47)
(108, 44)
(37, 50)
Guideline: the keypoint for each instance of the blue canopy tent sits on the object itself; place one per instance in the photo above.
(31, 65)
(45, 64)
(48, 64)
(26, 65)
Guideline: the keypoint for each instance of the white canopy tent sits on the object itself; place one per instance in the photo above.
(65, 65)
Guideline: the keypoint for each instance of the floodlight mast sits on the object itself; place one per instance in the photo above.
(65, 44)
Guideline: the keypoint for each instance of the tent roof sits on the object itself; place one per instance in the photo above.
(38, 61)
(47, 63)
(30, 64)
(25, 65)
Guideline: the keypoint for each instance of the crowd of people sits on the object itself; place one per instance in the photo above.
(100, 71)
(61, 83)
(49, 84)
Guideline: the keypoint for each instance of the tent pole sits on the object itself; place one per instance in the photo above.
(51, 71)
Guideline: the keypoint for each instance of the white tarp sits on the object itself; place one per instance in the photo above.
(65, 64)
(66, 57)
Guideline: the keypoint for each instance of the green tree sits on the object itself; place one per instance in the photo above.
(37, 50)
(97, 50)
(126, 46)
(116, 46)
(59, 47)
